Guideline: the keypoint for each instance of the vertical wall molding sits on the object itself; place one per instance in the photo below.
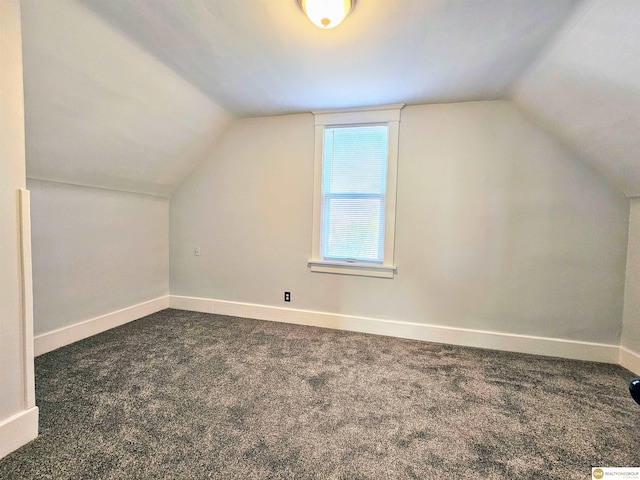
(27, 300)
(22, 427)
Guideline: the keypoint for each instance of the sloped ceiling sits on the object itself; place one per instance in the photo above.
(586, 88)
(101, 111)
(129, 94)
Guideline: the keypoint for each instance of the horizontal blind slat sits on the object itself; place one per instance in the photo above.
(354, 187)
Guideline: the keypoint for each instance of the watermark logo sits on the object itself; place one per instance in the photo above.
(615, 473)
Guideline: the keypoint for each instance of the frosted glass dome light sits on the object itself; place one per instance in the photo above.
(327, 13)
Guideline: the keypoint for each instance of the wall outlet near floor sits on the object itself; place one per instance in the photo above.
(287, 296)
(196, 251)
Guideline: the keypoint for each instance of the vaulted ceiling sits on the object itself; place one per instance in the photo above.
(130, 94)
(586, 88)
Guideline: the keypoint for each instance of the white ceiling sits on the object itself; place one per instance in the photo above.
(129, 94)
(263, 57)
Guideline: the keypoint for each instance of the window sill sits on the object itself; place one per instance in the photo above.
(359, 269)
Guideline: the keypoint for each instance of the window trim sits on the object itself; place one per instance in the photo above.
(389, 115)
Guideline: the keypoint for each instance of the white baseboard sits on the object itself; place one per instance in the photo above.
(18, 430)
(630, 360)
(49, 341)
(554, 347)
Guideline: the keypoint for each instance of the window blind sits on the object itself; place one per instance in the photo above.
(354, 184)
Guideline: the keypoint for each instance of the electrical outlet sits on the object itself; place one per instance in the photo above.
(287, 296)
(196, 251)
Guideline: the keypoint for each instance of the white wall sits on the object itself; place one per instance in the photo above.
(17, 425)
(95, 251)
(631, 323)
(499, 227)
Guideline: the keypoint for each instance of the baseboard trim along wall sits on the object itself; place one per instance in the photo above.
(630, 360)
(49, 341)
(554, 347)
(18, 430)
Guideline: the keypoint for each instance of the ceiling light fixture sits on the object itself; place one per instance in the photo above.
(327, 13)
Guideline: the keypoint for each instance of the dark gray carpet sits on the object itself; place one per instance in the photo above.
(187, 396)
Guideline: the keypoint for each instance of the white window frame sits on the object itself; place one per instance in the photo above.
(390, 116)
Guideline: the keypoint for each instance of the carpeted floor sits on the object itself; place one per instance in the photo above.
(182, 395)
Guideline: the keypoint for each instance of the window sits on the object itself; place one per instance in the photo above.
(355, 191)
